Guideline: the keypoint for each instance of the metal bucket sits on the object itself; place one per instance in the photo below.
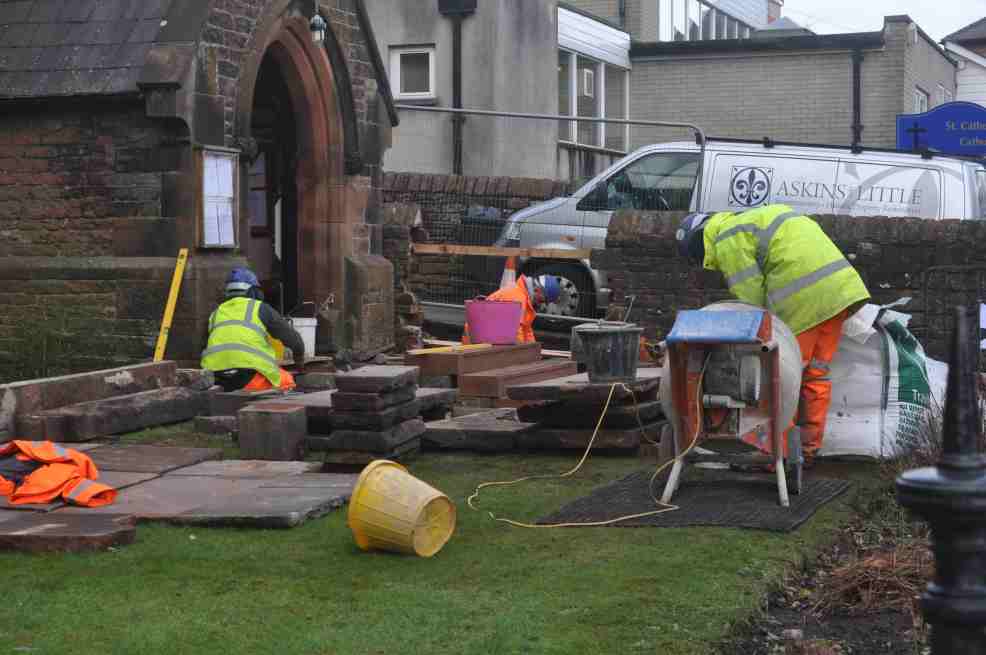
(609, 350)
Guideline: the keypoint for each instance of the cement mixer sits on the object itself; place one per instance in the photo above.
(733, 371)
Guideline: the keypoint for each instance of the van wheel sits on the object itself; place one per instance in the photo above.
(578, 297)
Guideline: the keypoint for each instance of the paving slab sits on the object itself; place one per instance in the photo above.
(432, 397)
(45, 533)
(149, 459)
(489, 431)
(380, 442)
(7, 514)
(247, 468)
(217, 425)
(270, 507)
(222, 403)
(580, 415)
(578, 388)
(81, 447)
(361, 457)
(40, 508)
(170, 495)
(121, 414)
(318, 408)
(377, 379)
(383, 420)
(562, 438)
(307, 480)
(370, 402)
(123, 479)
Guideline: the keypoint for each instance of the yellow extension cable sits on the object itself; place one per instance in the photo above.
(585, 456)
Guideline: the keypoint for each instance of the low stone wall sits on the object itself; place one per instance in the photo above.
(938, 264)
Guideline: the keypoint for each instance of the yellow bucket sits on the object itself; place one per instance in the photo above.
(390, 509)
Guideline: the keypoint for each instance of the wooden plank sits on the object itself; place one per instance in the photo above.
(545, 352)
(494, 251)
(470, 361)
(494, 382)
(451, 348)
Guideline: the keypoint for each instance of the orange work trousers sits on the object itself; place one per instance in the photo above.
(818, 347)
(260, 383)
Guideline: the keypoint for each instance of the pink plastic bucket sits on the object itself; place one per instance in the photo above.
(493, 321)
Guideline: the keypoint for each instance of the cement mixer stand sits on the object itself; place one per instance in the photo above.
(725, 385)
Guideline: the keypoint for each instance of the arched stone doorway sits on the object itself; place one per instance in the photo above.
(289, 107)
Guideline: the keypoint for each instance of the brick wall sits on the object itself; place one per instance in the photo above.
(927, 67)
(937, 263)
(605, 9)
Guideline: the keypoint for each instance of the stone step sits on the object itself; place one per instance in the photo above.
(494, 382)
(30, 397)
(115, 415)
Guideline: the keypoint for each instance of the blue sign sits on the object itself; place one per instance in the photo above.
(954, 128)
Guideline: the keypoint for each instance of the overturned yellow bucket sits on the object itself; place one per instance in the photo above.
(390, 509)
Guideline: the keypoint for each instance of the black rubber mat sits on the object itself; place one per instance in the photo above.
(705, 498)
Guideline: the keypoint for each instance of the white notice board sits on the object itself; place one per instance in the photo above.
(218, 199)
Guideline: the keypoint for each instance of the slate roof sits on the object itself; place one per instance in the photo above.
(75, 47)
(974, 32)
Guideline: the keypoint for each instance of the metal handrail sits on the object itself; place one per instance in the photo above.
(699, 132)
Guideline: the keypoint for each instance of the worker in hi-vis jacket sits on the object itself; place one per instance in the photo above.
(780, 259)
(240, 351)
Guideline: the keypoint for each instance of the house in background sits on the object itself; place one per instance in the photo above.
(968, 47)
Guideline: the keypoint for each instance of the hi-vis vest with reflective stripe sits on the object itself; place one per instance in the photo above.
(778, 258)
(238, 339)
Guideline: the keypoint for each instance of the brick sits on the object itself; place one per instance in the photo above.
(273, 431)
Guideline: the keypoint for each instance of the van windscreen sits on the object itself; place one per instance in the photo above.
(658, 182)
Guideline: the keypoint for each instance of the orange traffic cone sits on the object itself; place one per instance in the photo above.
(509, 277)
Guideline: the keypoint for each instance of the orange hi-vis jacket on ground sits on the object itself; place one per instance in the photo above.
(516, 293)
(65, 474)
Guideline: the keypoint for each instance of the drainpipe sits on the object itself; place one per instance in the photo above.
(457, 10)
(623, 13)
(857, 100)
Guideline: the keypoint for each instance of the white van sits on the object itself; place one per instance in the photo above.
(736, 176)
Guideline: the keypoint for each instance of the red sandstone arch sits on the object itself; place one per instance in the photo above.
(321, 197)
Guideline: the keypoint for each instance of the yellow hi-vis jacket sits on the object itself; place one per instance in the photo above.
(780, 259)
(238, 339)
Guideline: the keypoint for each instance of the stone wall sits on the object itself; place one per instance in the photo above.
(443, 202)
(938, 264)
(82, 192)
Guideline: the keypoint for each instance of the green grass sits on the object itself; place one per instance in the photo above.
(492, 589)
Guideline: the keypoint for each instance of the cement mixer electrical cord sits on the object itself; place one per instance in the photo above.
(664, 507)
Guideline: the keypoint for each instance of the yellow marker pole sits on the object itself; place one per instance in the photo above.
(169, 310)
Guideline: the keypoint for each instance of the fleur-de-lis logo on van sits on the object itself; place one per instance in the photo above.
(750, 186)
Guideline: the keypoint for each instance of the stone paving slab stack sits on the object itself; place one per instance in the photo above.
(375, 415)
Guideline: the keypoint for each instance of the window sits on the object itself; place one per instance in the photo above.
(680, 18)
(694, 20)
(412, 72)
(659, 182)
(218, 209)
(593, 89)
(708, 22)
(920, 101)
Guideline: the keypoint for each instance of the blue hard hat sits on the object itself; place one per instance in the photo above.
(552, 290)
(690, 236)
(240, 281)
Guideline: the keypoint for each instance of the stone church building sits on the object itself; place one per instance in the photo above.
(130, 129)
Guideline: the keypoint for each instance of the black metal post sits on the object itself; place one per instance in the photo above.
(457, 120)
(857, 100)
(952, 498)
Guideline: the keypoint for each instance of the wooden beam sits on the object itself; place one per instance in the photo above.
(493, 251)
(544, 353)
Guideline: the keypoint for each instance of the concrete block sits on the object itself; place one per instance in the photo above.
(222, 403)
(149, 459)
(316, 381)
(369, 402)
(222, 425)
(431, 398)
(377, 379)
(375, 421)
(98, 418)
(274, 431)
(370, 303)
(381, 441)
(199, 379)
(486, 431)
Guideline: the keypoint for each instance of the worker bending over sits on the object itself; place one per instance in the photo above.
(530, 292)
(779, 259)
(240, 351)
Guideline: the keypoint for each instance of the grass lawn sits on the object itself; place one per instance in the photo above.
(492, 589)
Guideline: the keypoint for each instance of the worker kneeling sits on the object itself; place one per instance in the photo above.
(530, 292)
(240, 351)
(777, 258)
